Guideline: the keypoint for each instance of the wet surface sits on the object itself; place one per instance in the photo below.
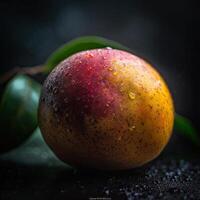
(33, 172)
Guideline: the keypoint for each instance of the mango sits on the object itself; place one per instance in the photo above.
(106, 109)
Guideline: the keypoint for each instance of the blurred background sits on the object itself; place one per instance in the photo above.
(163, 32)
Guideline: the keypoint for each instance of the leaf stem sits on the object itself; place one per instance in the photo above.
(21, 70)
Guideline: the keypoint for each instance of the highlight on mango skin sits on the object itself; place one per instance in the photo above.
(106, 109)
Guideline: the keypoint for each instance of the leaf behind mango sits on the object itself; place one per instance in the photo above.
(18, 111)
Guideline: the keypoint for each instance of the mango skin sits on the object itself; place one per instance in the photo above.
(106, 109)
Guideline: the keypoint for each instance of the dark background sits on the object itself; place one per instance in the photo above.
(163, 32)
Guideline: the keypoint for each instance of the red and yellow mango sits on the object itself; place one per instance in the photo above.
(106, 109)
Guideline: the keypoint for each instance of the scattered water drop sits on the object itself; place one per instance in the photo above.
(131, 95)
(61, 69)
(109, 48)
(119, 138)
(158, 84)
(114, 73)
(107, 192)
(68, 130)
(55, 90)
(131, 128)
(91, 55)
(73, 82)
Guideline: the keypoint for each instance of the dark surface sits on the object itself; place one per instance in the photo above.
(33, 172)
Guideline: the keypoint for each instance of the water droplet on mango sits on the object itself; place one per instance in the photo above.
(131, 95)
(131, 128)
(114, 73)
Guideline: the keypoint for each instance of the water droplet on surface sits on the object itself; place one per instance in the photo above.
(158, 84)
(55, 90)
(119, 138)
(107, 192)
(107, 105)
(110, 69)
(109, 48)
(91, 55)
(131, 95)
(68, 131)
(73, 82)
(114, 73)
(131, 128)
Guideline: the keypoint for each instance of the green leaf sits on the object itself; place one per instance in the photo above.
(185, 127)
(77, 45)
(18, 111)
